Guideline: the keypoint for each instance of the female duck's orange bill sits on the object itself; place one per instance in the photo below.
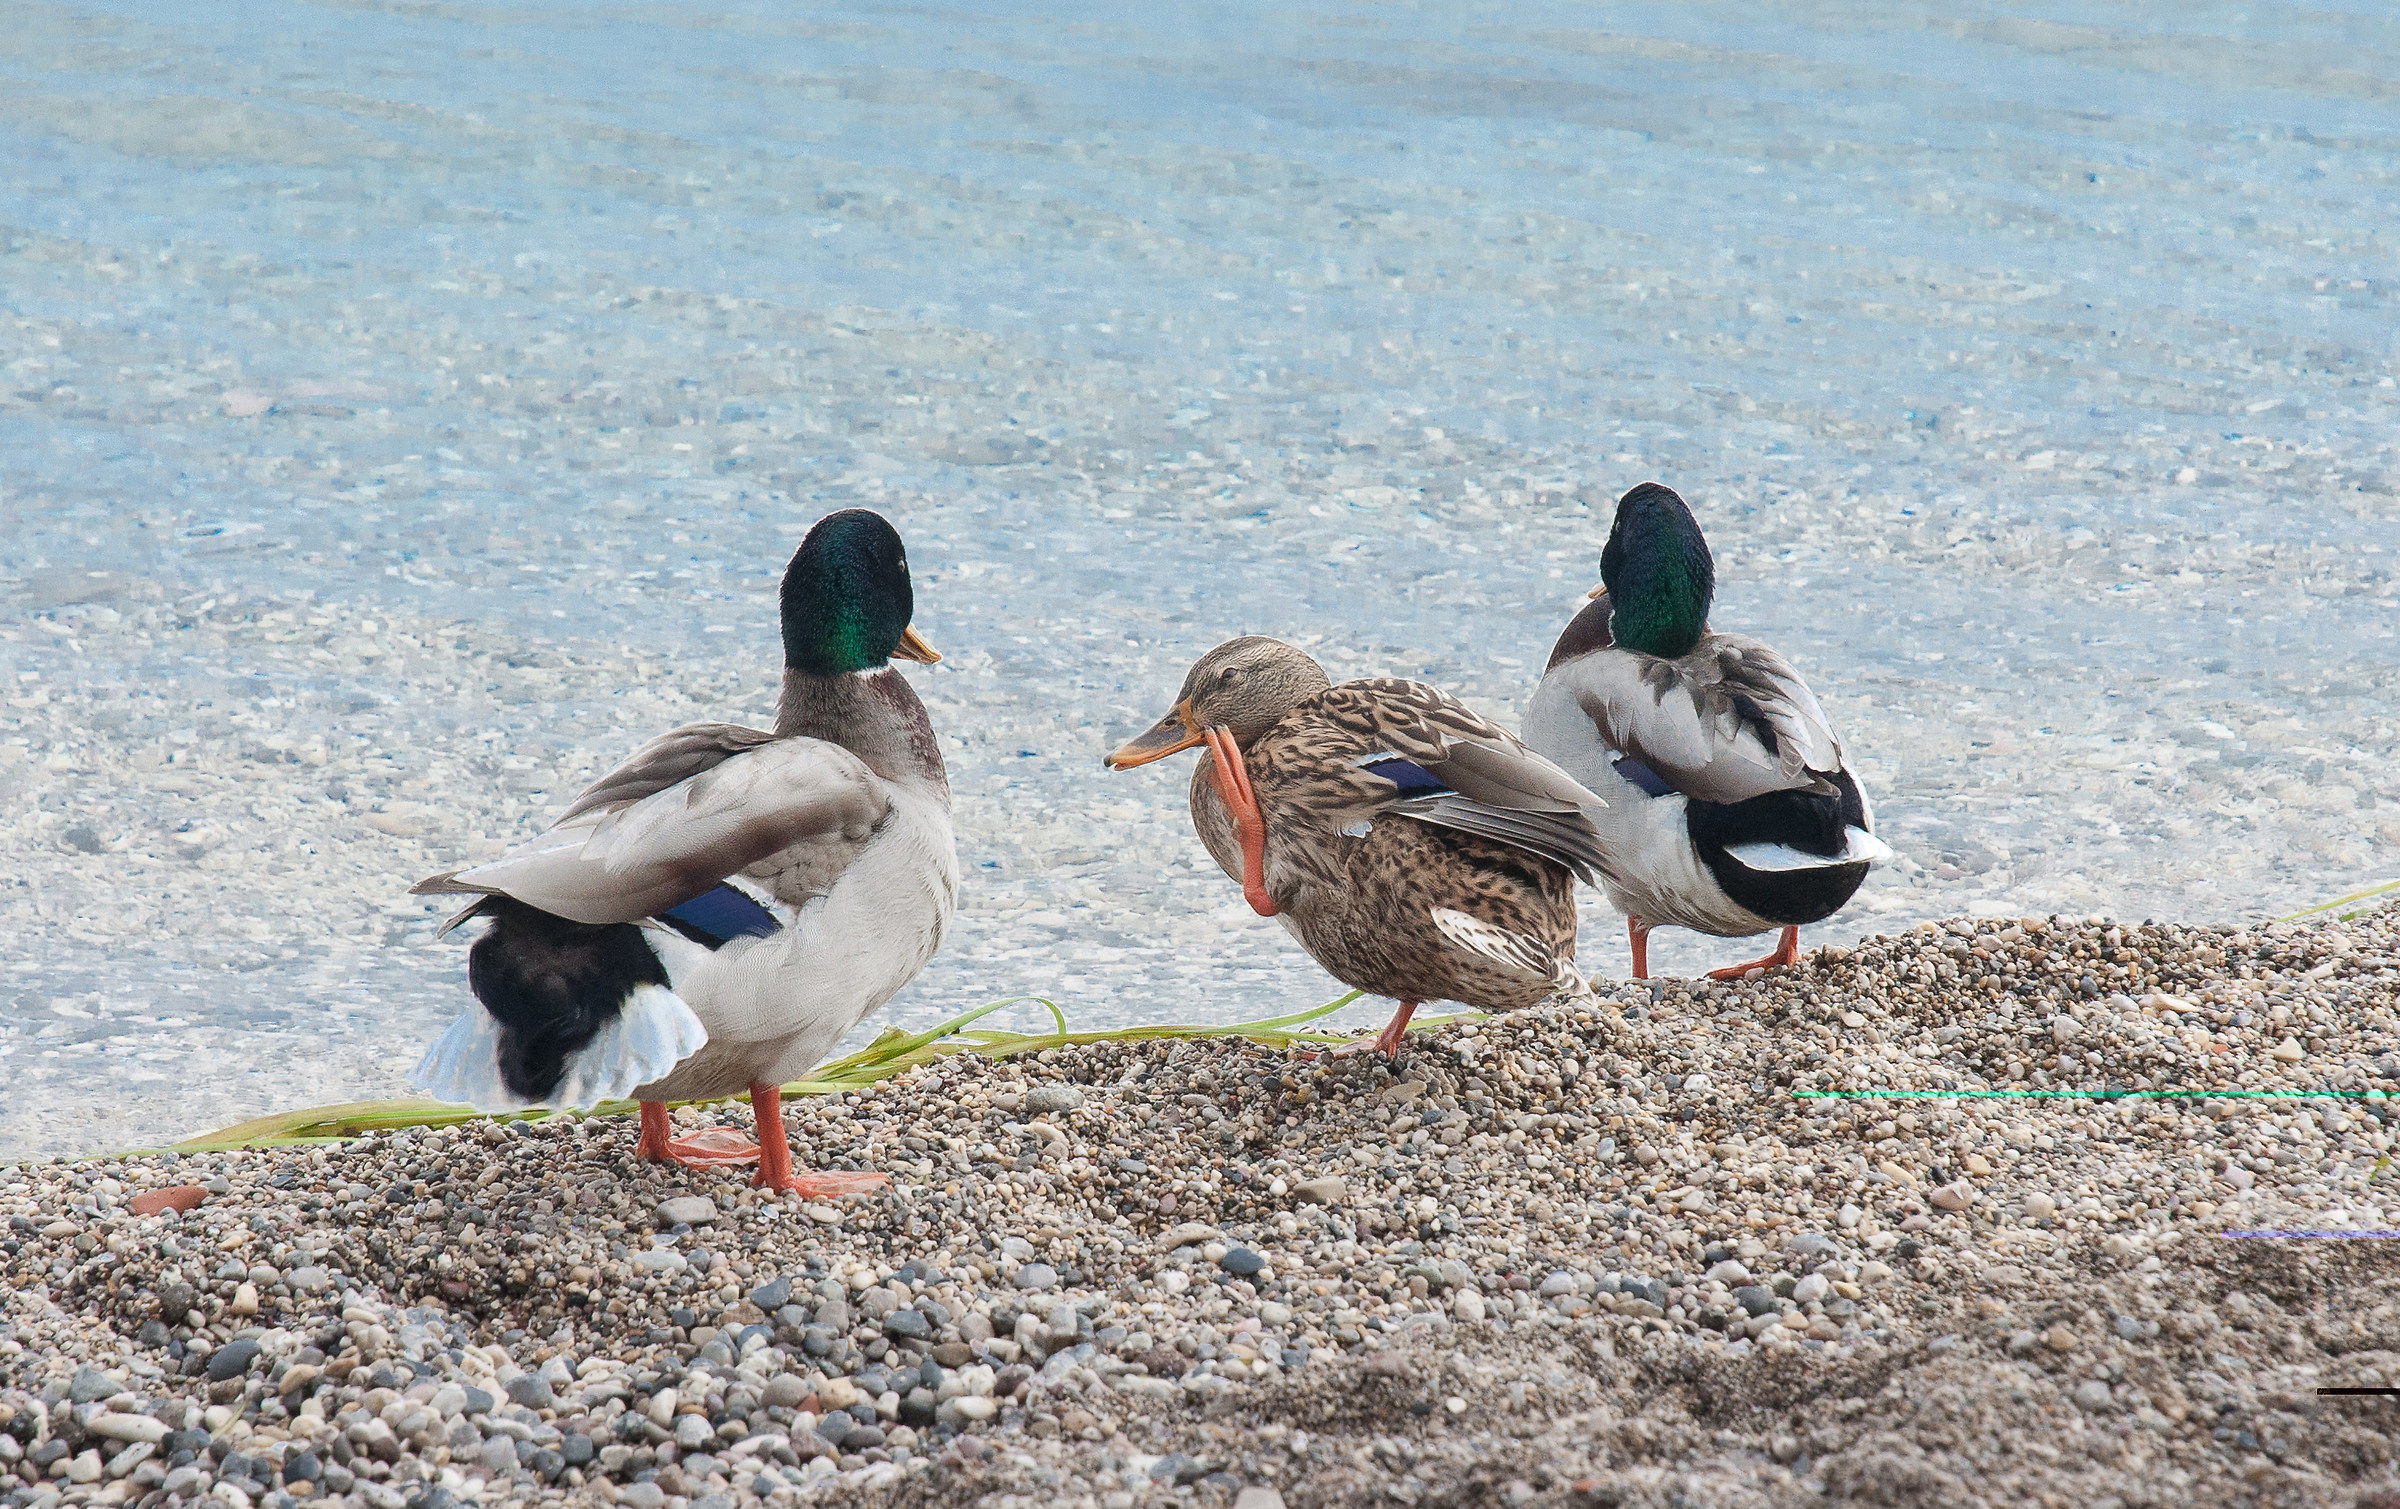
(1169, 735)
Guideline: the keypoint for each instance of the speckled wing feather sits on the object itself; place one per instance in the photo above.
(1358, 747)
(1728, 721)
(687, 810)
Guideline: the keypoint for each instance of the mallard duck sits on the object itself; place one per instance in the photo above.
(1415, 850)
(712, 915)
(1731, 808)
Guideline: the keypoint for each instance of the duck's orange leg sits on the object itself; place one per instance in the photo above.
(1249, 824)
(1786, 952)
(1637, 932)
(723, 1147)
(775, 1157)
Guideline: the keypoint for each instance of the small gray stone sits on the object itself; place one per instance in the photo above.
(1327, 1189)
(175, 1301)
(1558, 1283)
(687, 1210)
(531, 1390)
(772, 1297)
(311, 1279)
(2092, 1393)
(693, 1431)
(1757, 1299)
(1036, 1276)
(231, 1360)
(1054, 1098)
(642, 1496)
(90, 1385)
(785, 1391)
(577, 1450)
(479, 1401)
(834, 1315)
(1241, 1262)
(907, 1323)
(500, 1454)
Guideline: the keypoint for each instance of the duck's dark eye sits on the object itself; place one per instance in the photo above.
(1230, 673)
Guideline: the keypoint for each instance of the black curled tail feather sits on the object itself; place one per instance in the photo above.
(1810, 821)
(552, 985)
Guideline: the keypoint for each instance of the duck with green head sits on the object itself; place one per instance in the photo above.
(712, 915)
(1732, 809)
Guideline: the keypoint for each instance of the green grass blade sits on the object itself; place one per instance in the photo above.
(2369, 893)
(892, 1052)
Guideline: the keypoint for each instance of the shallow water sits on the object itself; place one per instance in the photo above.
(408, 408)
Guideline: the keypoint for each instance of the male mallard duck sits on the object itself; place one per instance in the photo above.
(1414, 849)
(713, 914)
(1730, 807)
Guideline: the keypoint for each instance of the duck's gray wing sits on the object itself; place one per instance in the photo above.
(1728, 721)
(687, 810)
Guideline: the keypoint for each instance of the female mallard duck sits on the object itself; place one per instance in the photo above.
(1731, 809)
(713, 914)
(1414, 849)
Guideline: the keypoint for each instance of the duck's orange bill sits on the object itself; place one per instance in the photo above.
(1169, 735)
(913, 647)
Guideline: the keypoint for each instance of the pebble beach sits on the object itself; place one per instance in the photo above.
(1667, 1249)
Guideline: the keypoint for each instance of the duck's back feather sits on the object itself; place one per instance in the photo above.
(1726, 721)
(1384, 747)
(684, 812)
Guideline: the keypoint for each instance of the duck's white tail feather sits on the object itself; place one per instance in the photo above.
(652, 1034)
(462, 1068)
(655, 1032)
(1859, 848)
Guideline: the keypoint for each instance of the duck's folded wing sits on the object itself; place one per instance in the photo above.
(1439, 762)
(644, 839)
(1730, 721)
(1509, 793)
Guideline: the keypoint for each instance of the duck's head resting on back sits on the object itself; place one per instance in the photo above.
(1245, 685)
(1657, 573)
(847, 600)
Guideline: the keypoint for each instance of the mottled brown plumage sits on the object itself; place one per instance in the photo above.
(1415, 849)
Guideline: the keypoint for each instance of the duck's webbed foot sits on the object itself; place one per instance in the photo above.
(723, 1147)
(1786, 952)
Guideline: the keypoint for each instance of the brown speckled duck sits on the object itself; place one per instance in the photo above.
(1415, 850)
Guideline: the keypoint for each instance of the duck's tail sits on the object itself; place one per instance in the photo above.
(1514, 951)
(570, 1014)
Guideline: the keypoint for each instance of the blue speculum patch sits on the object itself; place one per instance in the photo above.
(725, 914)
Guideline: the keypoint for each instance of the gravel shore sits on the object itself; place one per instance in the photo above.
(1568, 1256)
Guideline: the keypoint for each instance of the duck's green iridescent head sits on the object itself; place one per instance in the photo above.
(846, 598)
(1658, 573)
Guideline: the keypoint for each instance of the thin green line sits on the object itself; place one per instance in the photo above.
(2088, 1094)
